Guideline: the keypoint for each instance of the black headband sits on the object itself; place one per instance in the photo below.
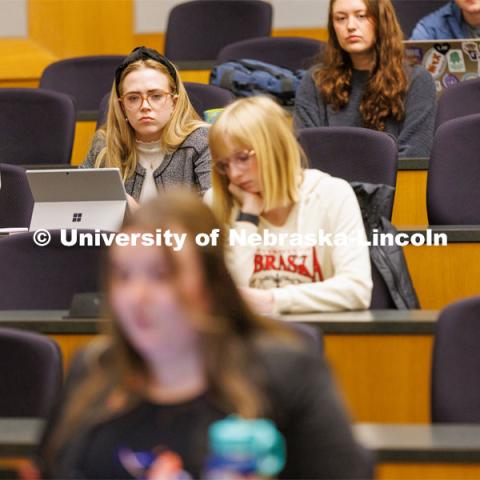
(144, 53)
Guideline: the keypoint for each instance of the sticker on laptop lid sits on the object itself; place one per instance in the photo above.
(413, 55)
(435, 63)
(471, 49)
(456, 64)
(449, 80)
(470, 76)
(442, 48)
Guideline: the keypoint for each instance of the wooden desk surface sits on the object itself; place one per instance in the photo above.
(379, 322)
(420, 163)
(412, 322)
(454, 233)
(421, 443)
(380, 359)
(450, 443)
(47, 322)
(19, 436)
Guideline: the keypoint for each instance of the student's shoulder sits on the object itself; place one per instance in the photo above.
(433, 18)
(300, 364)
(420, 81)
(307, 84)
(99, 140)
(324, 196)
(197, 139)
(418, 72)
(208, 197)
(282, 358)
(321, 184)
(435, 24)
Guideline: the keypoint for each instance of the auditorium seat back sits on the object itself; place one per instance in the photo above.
(16, 201)
(456, 363)
(86, 79)
(288, 52)
(352, 153)
(31, 373)
(197, 30)
(37, 126)
(45, 278)
(453, 194)
(459, 101)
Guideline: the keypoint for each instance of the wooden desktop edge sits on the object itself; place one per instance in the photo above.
(370, 322)
(391, 443)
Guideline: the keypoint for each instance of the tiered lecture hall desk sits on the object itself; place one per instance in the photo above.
(441, 275)
(402, 451)
(381, 359)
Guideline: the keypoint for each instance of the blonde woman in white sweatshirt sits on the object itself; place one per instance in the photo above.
(297, 262)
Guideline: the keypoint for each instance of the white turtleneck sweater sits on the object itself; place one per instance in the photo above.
(150, 157)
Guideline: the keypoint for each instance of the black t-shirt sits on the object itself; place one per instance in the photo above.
(150, 430)
(303, 404)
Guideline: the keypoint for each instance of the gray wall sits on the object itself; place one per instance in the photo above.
(13, 18)
(151, 15)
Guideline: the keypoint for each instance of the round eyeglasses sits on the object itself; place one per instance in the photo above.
(156, 99)
(241, 160)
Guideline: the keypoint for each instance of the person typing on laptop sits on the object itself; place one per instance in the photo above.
(152, 133)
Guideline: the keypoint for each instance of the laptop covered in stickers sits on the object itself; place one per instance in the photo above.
(448, 61)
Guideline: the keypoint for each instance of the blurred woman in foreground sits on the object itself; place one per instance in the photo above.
(183, 350)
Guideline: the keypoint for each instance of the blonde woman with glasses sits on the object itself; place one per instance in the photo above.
(261, 187)
(152, 133)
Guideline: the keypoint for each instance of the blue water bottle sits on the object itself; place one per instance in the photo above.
(240, 447)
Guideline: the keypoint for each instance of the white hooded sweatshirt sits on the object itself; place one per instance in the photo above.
(332, 275)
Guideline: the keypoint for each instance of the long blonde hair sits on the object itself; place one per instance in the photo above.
(257, 123)
(119, 151)
(117, 374)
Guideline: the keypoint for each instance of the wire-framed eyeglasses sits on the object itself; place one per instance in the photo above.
(241, 160)
(156, 99)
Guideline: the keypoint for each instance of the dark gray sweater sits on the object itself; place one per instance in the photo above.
(188, 165)
(414, 134)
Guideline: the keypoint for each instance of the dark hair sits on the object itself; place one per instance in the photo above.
(144, 53)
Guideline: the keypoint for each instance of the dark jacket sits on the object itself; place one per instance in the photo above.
(376, 204)
(188, 165)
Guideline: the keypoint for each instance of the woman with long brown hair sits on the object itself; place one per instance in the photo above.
(362, 79)
(182, 351)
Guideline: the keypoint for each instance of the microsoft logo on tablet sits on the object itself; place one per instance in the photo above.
(77, 217)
